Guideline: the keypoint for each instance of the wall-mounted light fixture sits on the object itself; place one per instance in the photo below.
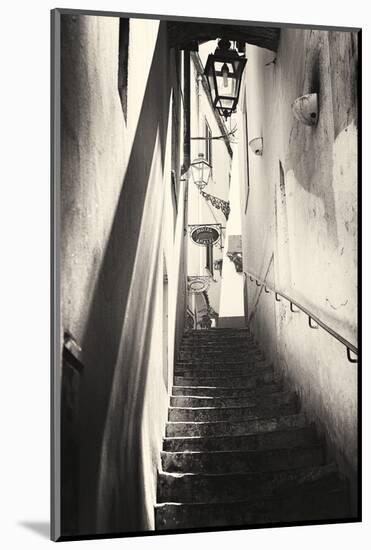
(224, 71)
(305, 109)
(201, 171)
(256, 145)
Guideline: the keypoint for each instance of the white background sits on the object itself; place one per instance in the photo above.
(24, 285)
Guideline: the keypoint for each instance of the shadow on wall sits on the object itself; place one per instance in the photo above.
(103, 332)
(311, 149)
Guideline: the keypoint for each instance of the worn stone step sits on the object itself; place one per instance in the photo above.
(320, 506)
(200, 429)
(219, 341)
(212, 391)
(263, 441)
(215, 357)
(216, 330)
(216, 462)
(219, 360)
(226, 348)
(222, 358)
(250, 381)
(248, 400)
(210, 414)
(223, 371)
(210, 360)
(243, 344)
(217, 349)
(227, 487)
(218, 338)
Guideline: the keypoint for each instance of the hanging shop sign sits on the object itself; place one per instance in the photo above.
(205, 235)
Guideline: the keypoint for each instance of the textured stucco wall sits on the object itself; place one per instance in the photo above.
(113, 179)
(300, 225)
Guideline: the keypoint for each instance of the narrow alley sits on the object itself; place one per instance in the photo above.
(206, 364)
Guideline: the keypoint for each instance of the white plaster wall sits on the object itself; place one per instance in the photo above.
(142, 40)
(300, 234)
(115, 180)
(231, 294)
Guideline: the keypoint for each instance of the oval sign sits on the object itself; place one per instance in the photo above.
(205, 235)
(198, 285)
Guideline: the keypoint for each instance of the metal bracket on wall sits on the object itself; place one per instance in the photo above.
(310, 322)
(222, 205)
(350, 359)
(292, 308)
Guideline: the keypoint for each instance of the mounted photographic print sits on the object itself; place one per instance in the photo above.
(205, 194)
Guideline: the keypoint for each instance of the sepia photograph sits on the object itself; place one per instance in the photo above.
(205, 204)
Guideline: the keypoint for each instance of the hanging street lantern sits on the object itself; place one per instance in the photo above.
(224, 71)
(201, 171)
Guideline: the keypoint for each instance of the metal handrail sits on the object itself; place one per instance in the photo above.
(311, 317)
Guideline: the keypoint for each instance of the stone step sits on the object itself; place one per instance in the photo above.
(210, 338)
(222, 371)
(231, 381)
(236, 451)
(236, 346)
(218, 340)
(220, 350)
(227, 348)
(320, 506)
(216, 330)
(222, 359)
(212, 391)
(201, 429)
(231, 414)
(254, 442)
(216, 462)
(248, 400)
(193, 488)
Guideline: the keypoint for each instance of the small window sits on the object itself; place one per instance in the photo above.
(208, 144)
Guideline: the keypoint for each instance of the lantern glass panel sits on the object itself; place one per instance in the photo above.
(211, 80)
(226, 79)
(201, 171)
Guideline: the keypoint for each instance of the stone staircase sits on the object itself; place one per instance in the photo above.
(237, 449)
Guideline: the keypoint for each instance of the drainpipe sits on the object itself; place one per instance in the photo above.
(186, 153)
(199, 128)
(199, 85)
(187, 112)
